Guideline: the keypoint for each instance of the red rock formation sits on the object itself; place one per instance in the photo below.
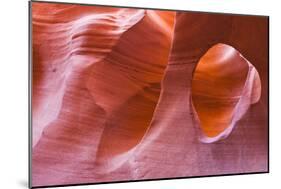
(112, 87)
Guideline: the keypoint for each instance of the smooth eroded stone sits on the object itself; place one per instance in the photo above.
(224, 85)
(114, 99)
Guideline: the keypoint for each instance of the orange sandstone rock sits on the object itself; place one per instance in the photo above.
(130, 94)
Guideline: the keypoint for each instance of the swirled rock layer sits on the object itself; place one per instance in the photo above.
(131, 94)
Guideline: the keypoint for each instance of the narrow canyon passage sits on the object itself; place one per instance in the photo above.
(128, 94)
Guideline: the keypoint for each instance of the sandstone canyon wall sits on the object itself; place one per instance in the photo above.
(124, 94)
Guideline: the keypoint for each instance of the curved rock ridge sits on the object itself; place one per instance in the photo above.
(130, 94)
(90, 35)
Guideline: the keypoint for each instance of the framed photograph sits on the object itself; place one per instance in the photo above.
(121, 94)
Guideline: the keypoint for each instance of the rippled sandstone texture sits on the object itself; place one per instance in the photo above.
(131, 94)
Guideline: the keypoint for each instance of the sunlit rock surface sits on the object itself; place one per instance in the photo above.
(131, 94)
(224, 85)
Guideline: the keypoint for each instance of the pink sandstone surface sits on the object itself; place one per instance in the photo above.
(132, 94)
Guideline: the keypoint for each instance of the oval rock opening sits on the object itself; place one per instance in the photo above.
(224, 85)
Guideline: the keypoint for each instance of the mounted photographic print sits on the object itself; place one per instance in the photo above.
(121, 94)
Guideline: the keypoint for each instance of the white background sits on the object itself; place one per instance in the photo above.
(14, 93)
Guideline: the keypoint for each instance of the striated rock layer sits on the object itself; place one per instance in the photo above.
(132, 94)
